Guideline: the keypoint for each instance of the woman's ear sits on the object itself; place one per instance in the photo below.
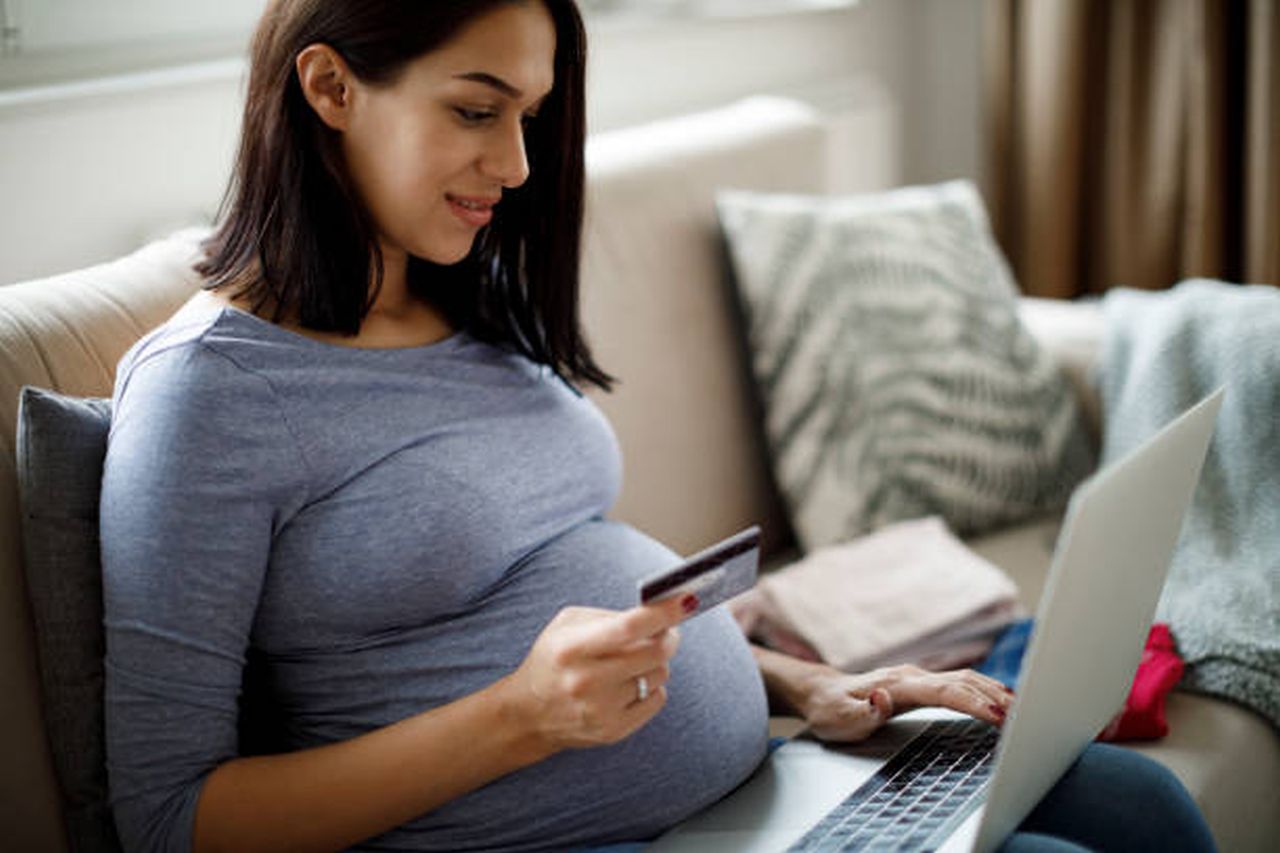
(326, 83)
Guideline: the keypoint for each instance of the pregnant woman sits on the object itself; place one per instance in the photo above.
(360, 588)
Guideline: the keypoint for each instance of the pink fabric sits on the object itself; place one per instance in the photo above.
(1158, 672)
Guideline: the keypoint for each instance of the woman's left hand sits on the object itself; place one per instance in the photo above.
(839, 706)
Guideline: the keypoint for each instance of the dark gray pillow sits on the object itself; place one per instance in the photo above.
(62, 442)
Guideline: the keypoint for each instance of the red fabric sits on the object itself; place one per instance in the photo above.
(1158, 672)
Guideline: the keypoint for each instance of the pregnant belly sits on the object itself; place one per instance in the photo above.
(709, 736)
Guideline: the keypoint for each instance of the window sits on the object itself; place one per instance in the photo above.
(703, 8)
(54, 41)
(51, 41)
(42, 25)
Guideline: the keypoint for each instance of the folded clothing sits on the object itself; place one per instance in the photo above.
(909, 593)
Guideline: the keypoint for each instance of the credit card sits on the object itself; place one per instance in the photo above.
(714, 574)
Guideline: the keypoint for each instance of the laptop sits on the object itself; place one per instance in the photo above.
(979, 782)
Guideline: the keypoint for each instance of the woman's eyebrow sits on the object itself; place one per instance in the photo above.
(491, 81)
(497, 83)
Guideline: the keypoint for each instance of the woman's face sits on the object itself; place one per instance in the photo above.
(432, 153)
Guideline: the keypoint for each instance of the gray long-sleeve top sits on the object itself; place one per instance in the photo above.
(328, 539)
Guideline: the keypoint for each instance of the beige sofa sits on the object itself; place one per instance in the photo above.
(659, 316)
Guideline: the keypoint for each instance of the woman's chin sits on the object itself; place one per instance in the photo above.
(445, 256)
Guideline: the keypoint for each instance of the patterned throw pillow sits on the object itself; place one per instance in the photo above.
(896, 379)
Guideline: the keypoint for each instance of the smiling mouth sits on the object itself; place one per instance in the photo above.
(476, 212)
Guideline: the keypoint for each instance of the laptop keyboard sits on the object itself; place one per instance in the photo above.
(918, 798)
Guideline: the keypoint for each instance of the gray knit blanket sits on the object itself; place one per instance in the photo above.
(1162, 352)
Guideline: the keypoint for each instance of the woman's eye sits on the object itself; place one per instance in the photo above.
(473, 116)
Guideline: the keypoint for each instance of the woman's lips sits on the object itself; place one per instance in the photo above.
(474, 211)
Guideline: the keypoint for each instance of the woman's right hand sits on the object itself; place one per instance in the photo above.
(579, 684)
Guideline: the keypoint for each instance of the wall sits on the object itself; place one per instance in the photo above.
(87, 176)
(89, 172)
(944, 49)
(647, 71)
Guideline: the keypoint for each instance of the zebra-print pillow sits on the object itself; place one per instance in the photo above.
(896, 379)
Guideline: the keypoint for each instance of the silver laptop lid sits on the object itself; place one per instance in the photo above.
(1103, 585)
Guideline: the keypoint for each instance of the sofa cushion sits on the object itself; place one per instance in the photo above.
(61, 444)
(64, 332)
(1228, 757)
(655, 310)
(896, 377)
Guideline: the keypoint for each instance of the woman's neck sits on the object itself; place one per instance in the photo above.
(397, 318)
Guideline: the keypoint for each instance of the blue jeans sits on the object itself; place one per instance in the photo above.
(1111, 799)
(1114, 799)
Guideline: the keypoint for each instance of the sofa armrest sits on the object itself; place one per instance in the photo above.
(1072, 331)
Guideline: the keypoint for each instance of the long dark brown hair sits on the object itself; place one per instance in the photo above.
(294, 234)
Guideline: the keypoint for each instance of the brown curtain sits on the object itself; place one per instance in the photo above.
(1134, 142)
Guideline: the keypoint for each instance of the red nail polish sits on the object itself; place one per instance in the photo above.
(997, 710)
(689, 603)
(1008, 689)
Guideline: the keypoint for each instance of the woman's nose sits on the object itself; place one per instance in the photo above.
(506, 160)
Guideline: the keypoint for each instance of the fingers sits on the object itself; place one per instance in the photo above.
(640, 711)
(881, 700)
(851, 707)
(963, 690)
(643, 656)
(987, 683)
(580, 677)
(648, 659)
(654, 680)
(617, 672)
(615, 631)
(998, 698)
(974, 694)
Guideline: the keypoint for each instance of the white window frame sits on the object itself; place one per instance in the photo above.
(38, 48)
